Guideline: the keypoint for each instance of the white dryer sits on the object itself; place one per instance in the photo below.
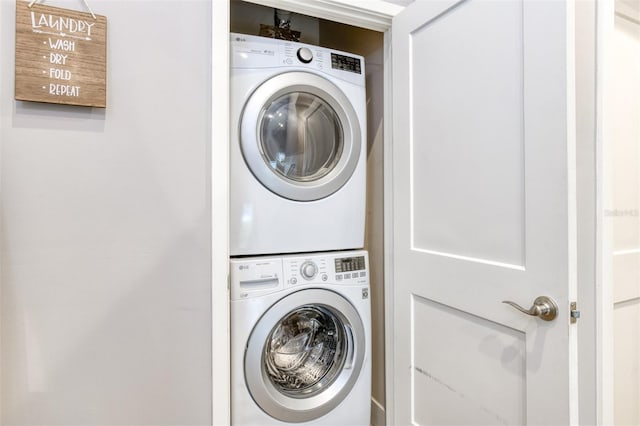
(301, 340)
(298, 147)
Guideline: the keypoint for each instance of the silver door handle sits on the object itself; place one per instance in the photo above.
(543, 307)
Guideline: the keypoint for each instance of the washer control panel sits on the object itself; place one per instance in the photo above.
(349, 268)
(255, 277)
(308, 270)
(258, 276)
(348, 264)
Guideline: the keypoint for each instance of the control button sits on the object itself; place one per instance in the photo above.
(347, 276)
(339, 277)
(289, 61)
(308, 270)
(325, 277)
(293, 280)
(363, 274)
(305, 55)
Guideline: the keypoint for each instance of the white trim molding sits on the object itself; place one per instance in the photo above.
(370, 14)
(220, 322)
(388, 235)
(605, 16)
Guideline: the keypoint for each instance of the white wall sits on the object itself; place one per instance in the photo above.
(105, 231)
(625, 213)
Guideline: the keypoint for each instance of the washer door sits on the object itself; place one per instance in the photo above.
(300, 136)
(304, 355)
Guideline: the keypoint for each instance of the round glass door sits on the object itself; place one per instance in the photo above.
(305, 351)
(300, 136)
(304, 355)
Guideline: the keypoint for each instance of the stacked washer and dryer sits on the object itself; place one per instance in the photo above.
(300, 310)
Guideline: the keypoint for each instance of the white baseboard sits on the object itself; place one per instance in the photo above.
(377, 414)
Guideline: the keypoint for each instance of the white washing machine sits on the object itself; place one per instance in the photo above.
(298, 147)
(301, 340)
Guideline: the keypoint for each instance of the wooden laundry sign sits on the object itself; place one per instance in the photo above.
(61, 56)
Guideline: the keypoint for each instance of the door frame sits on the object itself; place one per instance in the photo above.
(606, 12)
(372, 14)
(220, 322)
(377, 15)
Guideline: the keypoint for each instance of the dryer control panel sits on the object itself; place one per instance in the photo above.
(253, 52)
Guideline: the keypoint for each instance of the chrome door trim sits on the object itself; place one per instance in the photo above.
(291, 82)
(300, 409)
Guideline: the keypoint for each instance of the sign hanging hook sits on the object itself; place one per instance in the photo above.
(84, 1)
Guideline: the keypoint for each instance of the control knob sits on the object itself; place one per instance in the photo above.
(305, 55)
(308, 270)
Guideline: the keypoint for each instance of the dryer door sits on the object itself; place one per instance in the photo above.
(304, 355)
(300, 136)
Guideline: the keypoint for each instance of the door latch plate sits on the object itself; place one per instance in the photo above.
(575, 313)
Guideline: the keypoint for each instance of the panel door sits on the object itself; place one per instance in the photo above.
(483, 212)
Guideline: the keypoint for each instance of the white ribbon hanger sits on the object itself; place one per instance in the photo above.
(84, 1)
